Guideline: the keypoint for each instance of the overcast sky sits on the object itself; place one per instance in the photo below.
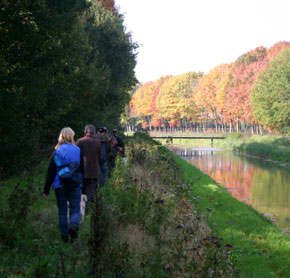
(178, 36)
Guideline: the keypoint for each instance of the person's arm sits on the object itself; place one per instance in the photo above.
(51, 172)
(108, 147)
(121, 146)
(82, 163)
(99, 151)
(121, 143)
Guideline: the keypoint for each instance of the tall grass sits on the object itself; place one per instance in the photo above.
(30, 243)
(152, 228)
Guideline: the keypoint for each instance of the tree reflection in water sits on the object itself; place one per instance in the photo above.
(264, 186)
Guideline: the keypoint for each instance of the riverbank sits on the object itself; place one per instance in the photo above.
(260, 248)
(275, 148)
(157, 216)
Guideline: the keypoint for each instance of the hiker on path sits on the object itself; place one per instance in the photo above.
(65, 152)
(113, 153)
(106, 149)
(120, 147)
(91, 150)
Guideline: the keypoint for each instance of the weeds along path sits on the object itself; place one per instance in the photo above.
(30, 243)
(260, 249)
(146, 225)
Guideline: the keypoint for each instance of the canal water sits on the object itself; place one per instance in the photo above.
(262, 184)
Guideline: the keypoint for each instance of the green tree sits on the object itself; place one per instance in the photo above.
(38, 54)
(62, 63)
(111, 62)
(270, 97)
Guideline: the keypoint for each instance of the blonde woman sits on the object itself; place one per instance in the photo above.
(66, 153)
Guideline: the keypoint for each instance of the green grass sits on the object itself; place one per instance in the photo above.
(145, 201)
(30, 243)
(260, 248)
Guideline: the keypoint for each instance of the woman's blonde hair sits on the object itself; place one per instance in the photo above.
(66, 136)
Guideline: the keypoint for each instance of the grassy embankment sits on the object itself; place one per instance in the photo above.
(155, 219)
(276, 148)
(260, 248)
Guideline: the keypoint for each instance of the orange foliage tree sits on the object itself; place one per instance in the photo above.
(244, 75)
(175, 101)
(108, 5)
(211, 92)
(222, 96)
(143, 102)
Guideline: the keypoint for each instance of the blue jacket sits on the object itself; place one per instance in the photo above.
(66, 153)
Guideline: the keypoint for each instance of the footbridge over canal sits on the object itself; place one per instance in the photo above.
(170, 138)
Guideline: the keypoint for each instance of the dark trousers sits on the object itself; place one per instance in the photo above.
(74, 198)
(90, 188)
(103, 167)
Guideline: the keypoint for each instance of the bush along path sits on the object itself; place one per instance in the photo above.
(146, 225)
(260, 249)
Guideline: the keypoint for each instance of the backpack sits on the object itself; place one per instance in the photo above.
(70, 175)
(104, 153)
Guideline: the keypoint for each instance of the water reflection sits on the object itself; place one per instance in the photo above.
(264, 186)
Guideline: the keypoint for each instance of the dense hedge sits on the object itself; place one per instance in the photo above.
(62, 63)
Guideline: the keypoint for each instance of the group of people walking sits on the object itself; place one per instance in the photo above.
(78, 169)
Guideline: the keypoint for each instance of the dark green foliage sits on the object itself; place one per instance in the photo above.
(15, 213)
(62, 63)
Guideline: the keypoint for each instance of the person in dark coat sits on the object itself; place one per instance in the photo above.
(106, 149)
(66, 152)
(91, 155)
(120, 147)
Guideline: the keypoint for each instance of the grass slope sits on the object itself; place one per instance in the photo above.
(30, 243)
(260, 248)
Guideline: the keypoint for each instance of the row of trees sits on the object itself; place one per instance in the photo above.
(252, 92)
(62, 63)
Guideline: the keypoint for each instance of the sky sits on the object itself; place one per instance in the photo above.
(179, 36)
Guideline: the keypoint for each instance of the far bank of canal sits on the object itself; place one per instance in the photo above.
(263, 185)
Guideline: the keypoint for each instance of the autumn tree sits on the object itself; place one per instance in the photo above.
(244, 75)
(211, 93)
(143, 101)
(175, 101)
(108, 5)
(276, 49)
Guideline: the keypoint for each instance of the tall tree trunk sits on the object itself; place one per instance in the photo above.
(261, 129)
